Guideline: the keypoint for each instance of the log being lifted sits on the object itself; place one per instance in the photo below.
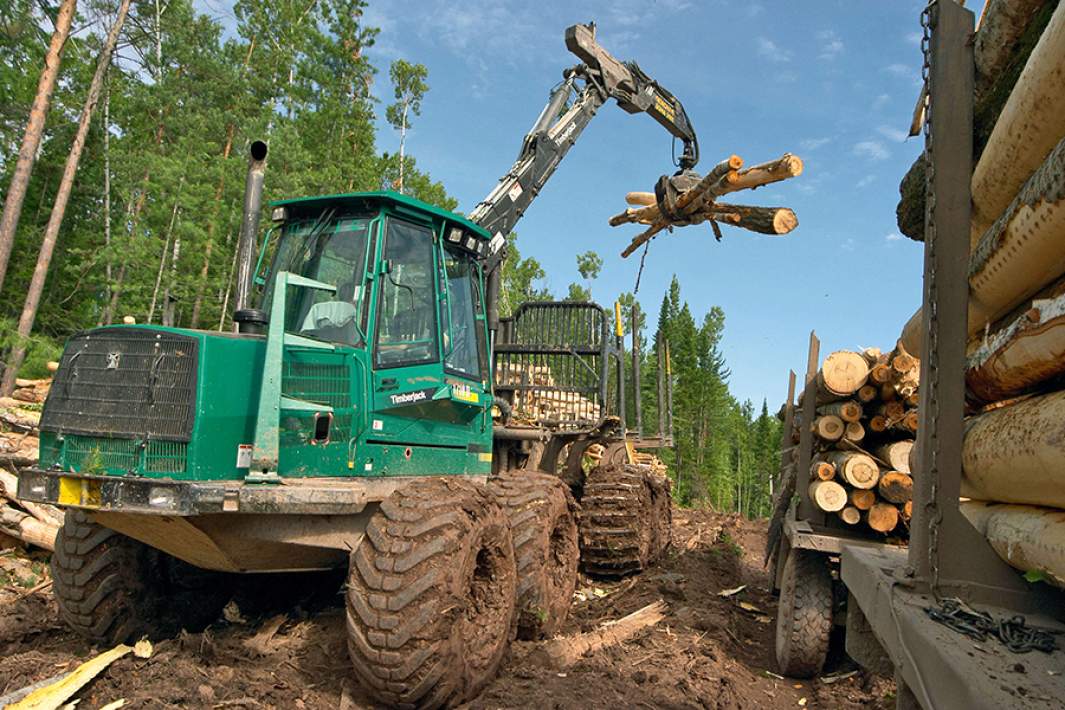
(1019, 255)
(1014, 454)
(1030, 125)
(1017, 359)
(896, 455)
(1027, 537)
(841, 375)
(829, 496)
(857, 469)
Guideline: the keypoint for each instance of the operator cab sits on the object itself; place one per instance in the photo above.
(393, 288)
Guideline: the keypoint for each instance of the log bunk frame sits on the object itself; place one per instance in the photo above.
(891, 588)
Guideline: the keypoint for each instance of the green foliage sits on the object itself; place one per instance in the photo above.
(723, 455)
(409, 86)
(180, 115)
(521, 279)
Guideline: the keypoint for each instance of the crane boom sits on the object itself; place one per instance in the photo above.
(570, 107)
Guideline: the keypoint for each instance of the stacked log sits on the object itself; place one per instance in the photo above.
(30, 523)
(536, 406)
(863, 433)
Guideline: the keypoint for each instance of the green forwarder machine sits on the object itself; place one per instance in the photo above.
(372, 413)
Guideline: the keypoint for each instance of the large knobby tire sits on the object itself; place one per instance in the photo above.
(431, 594)
(543, 521)
(804, 614)
(626, 518)
(113, 589)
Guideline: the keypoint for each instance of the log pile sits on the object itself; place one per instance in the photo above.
(1013, 462)
(865, 423)
(684, 201)
(543, 406)
(30, 523)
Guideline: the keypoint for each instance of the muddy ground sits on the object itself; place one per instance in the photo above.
(289, 652)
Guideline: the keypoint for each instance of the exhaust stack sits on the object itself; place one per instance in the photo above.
(245, 318)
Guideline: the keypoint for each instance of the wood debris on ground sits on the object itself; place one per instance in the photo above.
(29, 523)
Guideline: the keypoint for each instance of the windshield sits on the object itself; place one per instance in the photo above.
(331, 250)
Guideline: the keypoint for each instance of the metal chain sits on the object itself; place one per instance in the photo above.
(934, 515)
(1014, 633)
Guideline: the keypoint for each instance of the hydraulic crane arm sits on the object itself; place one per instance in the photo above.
(570, 107)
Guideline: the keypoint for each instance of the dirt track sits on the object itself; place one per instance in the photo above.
(708, 652)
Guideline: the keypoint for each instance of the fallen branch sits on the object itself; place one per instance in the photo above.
(563, 652)
(27, 528)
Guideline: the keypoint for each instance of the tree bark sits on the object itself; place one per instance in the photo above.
(764, 220)
(847, 410)
(31, 139)
(564, 651)
(51, 233)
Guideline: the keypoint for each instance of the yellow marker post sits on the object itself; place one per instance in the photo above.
(618, 329)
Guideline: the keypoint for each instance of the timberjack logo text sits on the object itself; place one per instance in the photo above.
(409, 397)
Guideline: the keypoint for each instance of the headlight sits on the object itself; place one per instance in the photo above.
(454, 235)
(161, 497)
(279, 214)
(35, 486)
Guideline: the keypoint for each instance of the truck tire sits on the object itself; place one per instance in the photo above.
(626, 517)
(543, 522)
(804, 614)
(112, 588)
(431, 595)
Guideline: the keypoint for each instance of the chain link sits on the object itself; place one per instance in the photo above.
(934, 515)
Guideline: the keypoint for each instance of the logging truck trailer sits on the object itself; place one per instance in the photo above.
(372, 412)
(804, 542)
(956, 625)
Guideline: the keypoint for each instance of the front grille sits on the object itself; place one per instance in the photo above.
(305, 376)
(127, 383)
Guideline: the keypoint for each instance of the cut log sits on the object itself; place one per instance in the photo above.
(850, 515)
(862, 499)
(848, 411)
(857, 469)
(878, 423)
(872, 355)
(841, 375)
(640, 199)
(895, 487)
(896, 455)
(894, 410)
(1014, 454)
(1017, 256)
(27, 528)
(906, 511)
(829, 428)
(1029, 538)
(909, 422)
(822, 471)
(1017, 359)
(764, 220)
(867, 393)
(854, 431)
(1001, 26)
(1030, 125)
(881, 374)
(887, 391)
(902, 362)
(829, 496)
(883, 517)
(788, 166)
(564, 651)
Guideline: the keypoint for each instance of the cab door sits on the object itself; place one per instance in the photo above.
(424, 414)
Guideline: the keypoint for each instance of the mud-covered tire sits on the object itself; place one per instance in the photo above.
(626, 518)
(431, 594)
(112, 588)
(543, 521)
(804, 614)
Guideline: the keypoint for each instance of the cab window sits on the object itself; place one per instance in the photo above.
(464, 336)
(332, 251)
(406, 313)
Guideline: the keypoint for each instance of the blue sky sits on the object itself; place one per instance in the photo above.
(832, 81)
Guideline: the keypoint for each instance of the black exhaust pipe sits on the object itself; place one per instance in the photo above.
(246, 319)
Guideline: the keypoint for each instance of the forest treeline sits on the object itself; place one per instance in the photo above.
(151, 225)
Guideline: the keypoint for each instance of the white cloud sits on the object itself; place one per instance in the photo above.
(831, 45)
(873, 150)
(866, 181)
(848, 244)
(768, 49)
(881, 101)
(914, 37)
(898, 69)
(893, 237)
(892, 133)
(813, 143)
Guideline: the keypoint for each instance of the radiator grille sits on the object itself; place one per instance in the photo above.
(128, 383)
(322, 383)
